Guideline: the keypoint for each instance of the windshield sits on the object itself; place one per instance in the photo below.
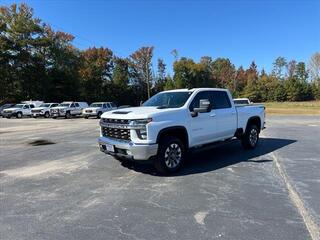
(96, 105)
(19, 105)
(45, 105)
(64, 105)
(168, 99)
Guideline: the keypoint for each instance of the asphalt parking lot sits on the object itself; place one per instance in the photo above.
(56, 184)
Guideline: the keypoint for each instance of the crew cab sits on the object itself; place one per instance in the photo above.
(19, 110)
(43, 110)
(96, 109)
(68, 109)
(173, 122)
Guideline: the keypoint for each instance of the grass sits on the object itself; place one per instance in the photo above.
(293, 108)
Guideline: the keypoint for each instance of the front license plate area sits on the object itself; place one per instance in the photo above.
(110, 147)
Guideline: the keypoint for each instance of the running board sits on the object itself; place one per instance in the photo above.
(209, 146)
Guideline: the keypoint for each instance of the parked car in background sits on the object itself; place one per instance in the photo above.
(171, 123)
(19, 110)
(5, 106)
(43, 110)
(241, 101)
(97, 108)
(68, 109)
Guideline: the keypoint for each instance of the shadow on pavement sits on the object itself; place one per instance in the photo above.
(220, 157)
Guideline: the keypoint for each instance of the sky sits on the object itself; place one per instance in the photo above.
(242, 31)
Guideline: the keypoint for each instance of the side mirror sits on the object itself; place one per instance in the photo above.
(204, 106)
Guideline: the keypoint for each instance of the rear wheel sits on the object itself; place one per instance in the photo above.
(47, 115)
(99, 114)
(170, 155)
(19, 115)
(251, 137)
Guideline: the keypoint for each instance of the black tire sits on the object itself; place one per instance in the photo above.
(68, 115)
(54, 117)
(8, 117)
(19, 115)
(46, 114)
(171, 154)
(86, 117)
(99, 115)
(251, 137)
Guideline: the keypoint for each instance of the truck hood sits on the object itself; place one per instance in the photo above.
(38, 108)
(59, 108)
(92, 108)
(12, 109)
(136, 112)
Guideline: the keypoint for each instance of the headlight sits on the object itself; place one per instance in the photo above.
(140, 126)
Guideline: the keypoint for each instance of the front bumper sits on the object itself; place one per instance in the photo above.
(37, 114)
(5, 115)
(128, 149)
(58, 114)
(89, 114)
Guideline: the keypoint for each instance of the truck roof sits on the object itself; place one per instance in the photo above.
(196, 89)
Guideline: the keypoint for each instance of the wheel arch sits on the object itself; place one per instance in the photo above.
(178, 131)
(256, 120)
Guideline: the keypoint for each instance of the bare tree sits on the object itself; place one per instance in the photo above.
(314, 67)
(141, 61)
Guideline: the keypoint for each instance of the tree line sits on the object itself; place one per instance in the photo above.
(37, 62)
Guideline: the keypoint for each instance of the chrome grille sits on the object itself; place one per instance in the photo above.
(116, 133)
(35, 111)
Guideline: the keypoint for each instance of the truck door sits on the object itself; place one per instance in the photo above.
(26, 110)
(225, 115)
(78, 109)
(203, 127)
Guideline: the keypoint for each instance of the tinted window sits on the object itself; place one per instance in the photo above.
(31, 106)
(77, 104)
(108, 104)
(72, 105)
(241, 102)
(220, 100)
(113, 105)
(196, 101)
(54, 105)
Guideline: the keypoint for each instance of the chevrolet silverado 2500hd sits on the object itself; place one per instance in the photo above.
(172, 122)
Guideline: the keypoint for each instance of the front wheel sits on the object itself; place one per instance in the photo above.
(170, 155)
(47, 115)
(251, 137)
(68, 115)
(99, 115)
(19, 115)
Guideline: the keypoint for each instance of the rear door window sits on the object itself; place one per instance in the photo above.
(220, 100)
(76, 104)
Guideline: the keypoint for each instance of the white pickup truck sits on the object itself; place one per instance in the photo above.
(68, 109)
(173, 122)
(19, 110)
